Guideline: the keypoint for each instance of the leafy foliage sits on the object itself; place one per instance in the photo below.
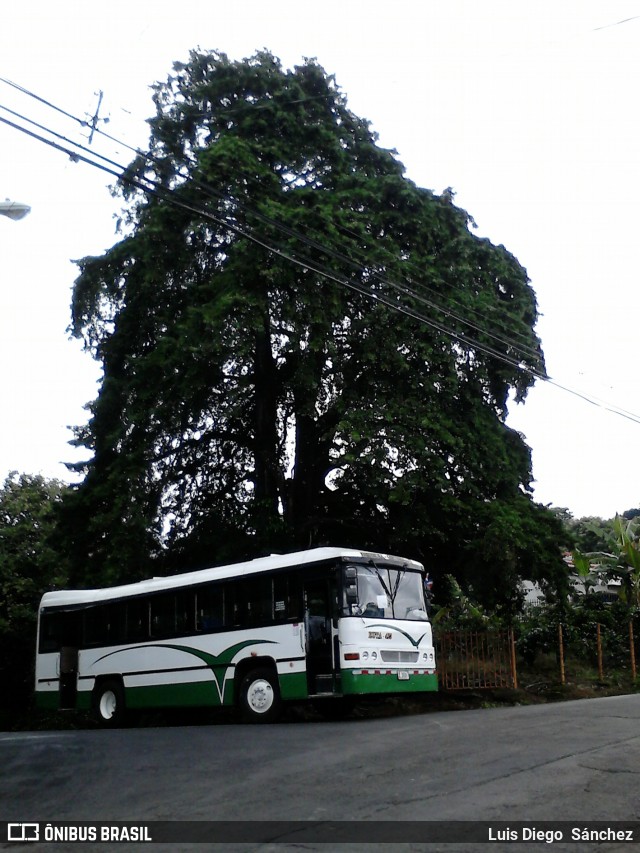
(538, 631)
(29, 560)
(591, 534)
(630, 514)
(30, 563)
(618, 557)
(260, 391)
(628, 560)
(456, 611)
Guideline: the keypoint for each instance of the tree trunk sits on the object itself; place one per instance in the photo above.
(265, 427)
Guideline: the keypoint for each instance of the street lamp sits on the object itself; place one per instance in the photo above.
(14, 209)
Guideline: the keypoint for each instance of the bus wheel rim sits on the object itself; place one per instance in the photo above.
(108, 704)
(260, 696)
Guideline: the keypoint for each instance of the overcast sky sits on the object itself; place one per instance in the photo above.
(527, 110)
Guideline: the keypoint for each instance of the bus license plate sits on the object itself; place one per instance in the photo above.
(403, 676)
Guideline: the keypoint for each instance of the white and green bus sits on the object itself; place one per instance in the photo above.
(328, 625)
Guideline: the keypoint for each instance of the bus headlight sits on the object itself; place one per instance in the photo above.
(365, 655)
(374, 655)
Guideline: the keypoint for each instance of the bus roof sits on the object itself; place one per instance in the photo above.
(70, 597)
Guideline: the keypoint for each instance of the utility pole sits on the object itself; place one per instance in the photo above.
(95, 118)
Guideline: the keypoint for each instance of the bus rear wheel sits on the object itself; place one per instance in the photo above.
(108, 703)
(259, 699)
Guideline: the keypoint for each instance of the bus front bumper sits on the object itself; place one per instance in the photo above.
(360, 682)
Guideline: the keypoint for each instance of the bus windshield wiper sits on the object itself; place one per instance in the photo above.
(379, 576)
(401, 573)
(392, 595)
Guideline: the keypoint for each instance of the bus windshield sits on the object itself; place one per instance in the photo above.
(389, 593)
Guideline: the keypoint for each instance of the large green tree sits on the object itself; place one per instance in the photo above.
(299, 344)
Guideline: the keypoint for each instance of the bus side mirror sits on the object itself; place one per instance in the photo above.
(351, 585)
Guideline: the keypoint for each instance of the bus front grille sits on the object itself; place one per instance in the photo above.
(389, 656)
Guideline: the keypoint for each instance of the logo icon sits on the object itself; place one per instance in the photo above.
(23, 832)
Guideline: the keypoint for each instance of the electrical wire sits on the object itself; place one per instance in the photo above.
(307, 264)
(170, 196)
(59, 136)
(615, 24)
(526, 351)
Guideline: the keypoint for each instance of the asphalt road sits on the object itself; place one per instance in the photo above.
(572, 761)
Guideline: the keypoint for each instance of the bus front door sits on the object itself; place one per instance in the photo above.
(320, 667)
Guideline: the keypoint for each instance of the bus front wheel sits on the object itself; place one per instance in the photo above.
(108, 703)
(259, 698)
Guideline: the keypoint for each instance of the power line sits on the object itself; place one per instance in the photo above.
(169, 195)
(41, 99)
(305, 263)
(524, 349)
(615, 24)
(72, 155)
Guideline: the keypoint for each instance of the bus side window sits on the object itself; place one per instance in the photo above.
(104, 624)
(259, 596)
(210, 608)
(54, 632)
(236, 604)
(49, 633)
(286, 598)
(163, 615)
(185, 613)
(137, 620)
(59, 629)
(96, 625)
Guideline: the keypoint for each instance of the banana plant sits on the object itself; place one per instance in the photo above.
(628, 567)
(582, 565)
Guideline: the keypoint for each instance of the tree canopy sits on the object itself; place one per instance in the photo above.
(300, 346)
(31, 562)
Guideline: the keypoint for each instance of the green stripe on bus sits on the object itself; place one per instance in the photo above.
(48, 700)
(191, 695)
(293, 685)
(204, 693)
(83, 700)
(360, 684)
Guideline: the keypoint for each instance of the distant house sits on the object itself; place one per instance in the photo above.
(597, 583)
(604, 587)
(533, 595)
